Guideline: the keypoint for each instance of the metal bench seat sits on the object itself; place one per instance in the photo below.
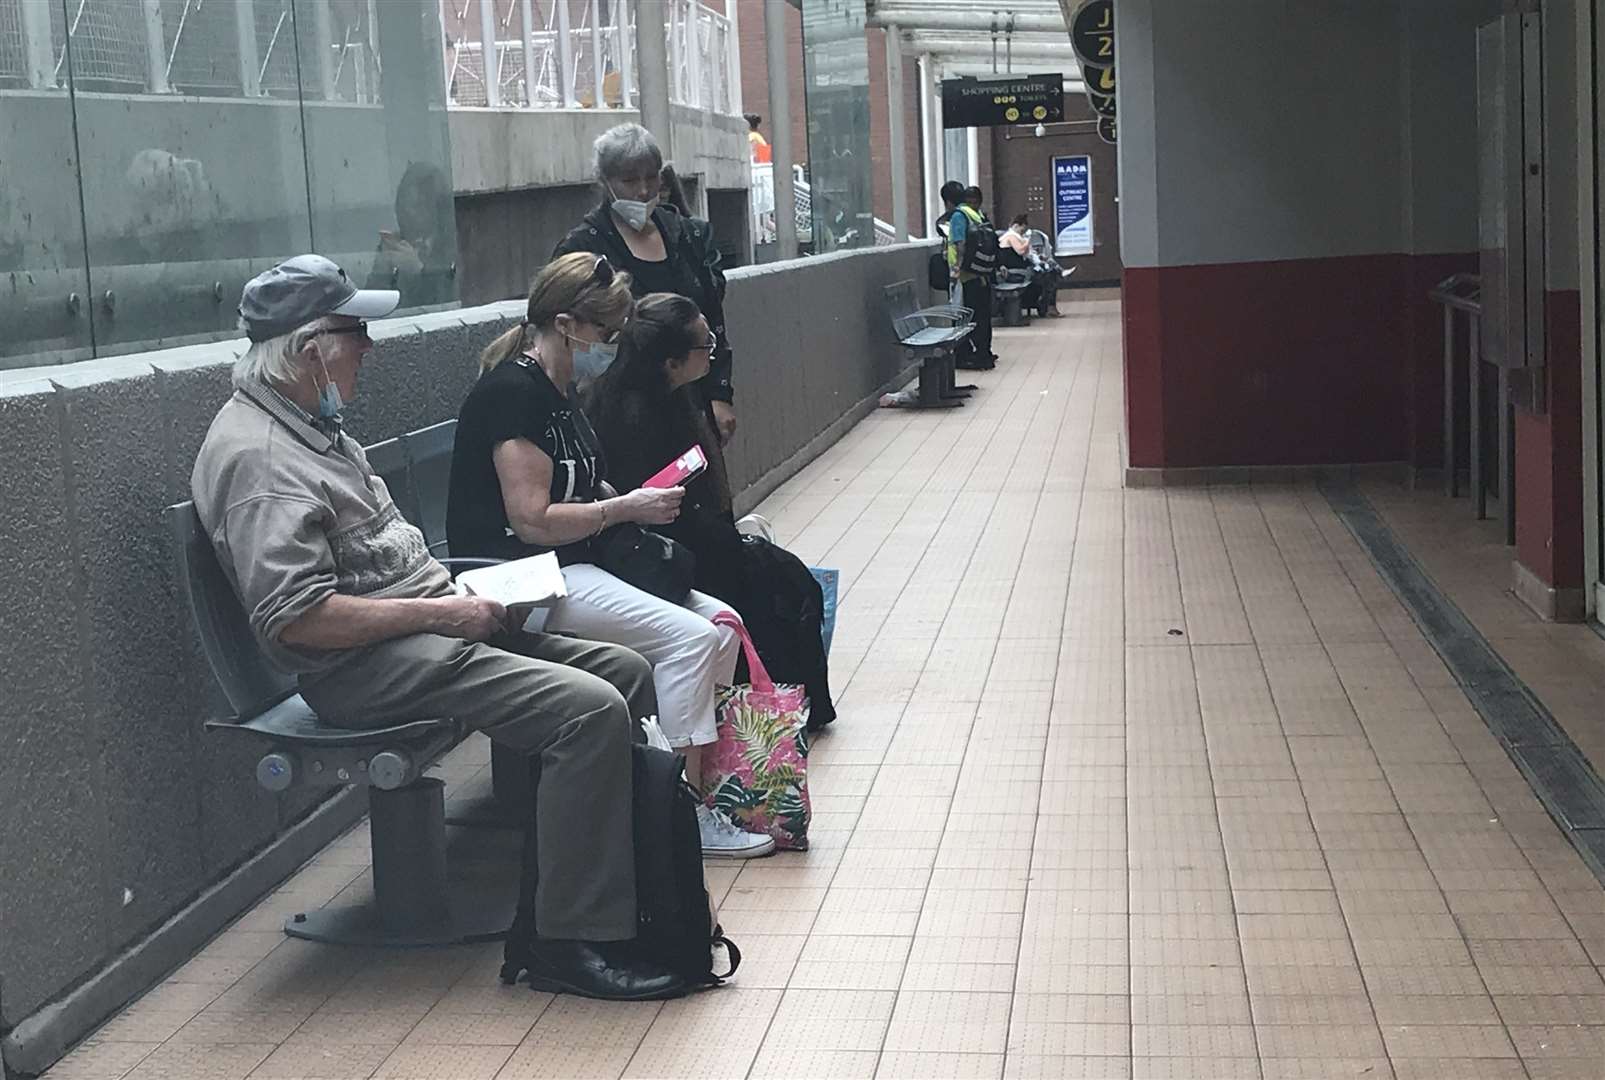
(932, 335)
(935, 335)
(293, 721)
(412, 901)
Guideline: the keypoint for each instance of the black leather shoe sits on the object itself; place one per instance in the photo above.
(592, 969)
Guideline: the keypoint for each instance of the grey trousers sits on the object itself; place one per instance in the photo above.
(570, 703)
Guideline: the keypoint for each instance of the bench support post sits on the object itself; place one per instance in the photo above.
(409, 854)
(413, 902)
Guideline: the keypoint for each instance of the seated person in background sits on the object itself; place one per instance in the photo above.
(527, 476)
(646, 419)
(1043, 291)
(342, 592)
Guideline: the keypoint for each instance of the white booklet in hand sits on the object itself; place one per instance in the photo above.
(536, 581)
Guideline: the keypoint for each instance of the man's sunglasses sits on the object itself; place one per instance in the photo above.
(354, 328)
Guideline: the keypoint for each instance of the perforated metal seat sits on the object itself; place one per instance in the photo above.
(931, 335)
(412, 903)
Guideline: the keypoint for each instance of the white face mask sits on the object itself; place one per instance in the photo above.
(633, 212)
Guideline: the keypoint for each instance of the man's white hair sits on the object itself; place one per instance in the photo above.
(276, 361)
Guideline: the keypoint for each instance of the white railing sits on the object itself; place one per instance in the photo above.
(241, 48)
(763, 208)
(579, 53)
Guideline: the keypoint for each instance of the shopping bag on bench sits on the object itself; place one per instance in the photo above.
(758, 770)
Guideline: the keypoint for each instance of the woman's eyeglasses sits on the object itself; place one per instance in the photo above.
(711, 344)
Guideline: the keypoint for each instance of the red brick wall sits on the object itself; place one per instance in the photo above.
(755, 74)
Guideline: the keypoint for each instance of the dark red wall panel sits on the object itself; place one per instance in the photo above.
(1143, 316)
(1549, 456)
(1298, 362)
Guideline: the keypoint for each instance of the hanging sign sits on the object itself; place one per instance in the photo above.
(1099, 81)
(1018, 99)
(1092, 33)
(1107, 130)
(1103, 106)
(1072, 205)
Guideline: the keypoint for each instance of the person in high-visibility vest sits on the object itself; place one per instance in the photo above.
(975, 289)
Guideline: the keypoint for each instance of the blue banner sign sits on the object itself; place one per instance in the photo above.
(1072, 205)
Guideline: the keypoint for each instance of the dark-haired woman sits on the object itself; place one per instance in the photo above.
(642, 411)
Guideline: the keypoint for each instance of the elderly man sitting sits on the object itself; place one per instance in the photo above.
(343, 593)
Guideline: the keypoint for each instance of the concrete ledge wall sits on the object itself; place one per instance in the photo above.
(120, 812)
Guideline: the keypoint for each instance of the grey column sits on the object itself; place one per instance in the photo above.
(155, 47)
(652, 51)
(774, 36)
(527, 22)
(38, 51)
(898, 124)
(489, 57)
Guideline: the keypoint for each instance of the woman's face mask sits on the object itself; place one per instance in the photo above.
(633, 212)
(591, 358)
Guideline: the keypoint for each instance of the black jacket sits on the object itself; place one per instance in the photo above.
(640, 435)
(689, 241)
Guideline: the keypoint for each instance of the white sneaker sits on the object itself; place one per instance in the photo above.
(724, 839)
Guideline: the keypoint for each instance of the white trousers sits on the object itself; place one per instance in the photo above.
(688, 653)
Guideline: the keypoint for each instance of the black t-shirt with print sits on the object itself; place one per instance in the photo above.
(516, 400)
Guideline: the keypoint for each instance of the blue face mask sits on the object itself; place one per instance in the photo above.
(591, 358)
(329, 401)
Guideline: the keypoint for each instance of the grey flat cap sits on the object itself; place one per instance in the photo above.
(303, 289)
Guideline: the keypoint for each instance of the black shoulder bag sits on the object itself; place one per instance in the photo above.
(650, 561)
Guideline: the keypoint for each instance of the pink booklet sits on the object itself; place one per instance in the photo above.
(680, 470)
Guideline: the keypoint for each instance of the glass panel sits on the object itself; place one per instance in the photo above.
(44, 286)
(836, 69)
(377, 145)
(185, 197)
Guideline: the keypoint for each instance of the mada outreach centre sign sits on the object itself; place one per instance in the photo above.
(1015, 99)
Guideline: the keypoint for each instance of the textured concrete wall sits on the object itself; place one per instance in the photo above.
(496, 150)
(811, 340)
(118, 809)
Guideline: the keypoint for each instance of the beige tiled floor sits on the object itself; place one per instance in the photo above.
(1127, 784)
(1467, 559)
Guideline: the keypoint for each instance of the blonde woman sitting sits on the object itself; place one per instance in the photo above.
(528, 476)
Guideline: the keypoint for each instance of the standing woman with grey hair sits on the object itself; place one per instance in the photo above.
(661, 250)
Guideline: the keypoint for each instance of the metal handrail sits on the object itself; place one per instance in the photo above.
(1462, 292)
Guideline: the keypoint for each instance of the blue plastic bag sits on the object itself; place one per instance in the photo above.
(828, 580)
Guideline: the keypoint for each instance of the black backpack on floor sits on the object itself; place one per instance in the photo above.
(672, 923)
(671, 901)
(782, 606)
